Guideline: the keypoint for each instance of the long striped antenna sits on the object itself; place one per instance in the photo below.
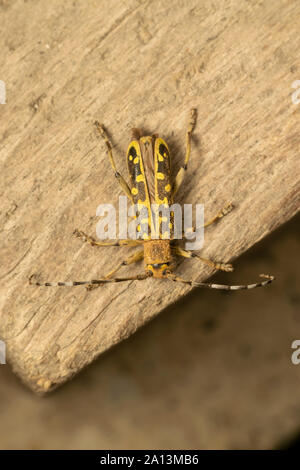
(139, 277)
(267, 277)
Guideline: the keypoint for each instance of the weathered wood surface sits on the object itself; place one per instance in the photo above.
(133, 63)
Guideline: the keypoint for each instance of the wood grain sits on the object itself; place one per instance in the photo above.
(126, 64)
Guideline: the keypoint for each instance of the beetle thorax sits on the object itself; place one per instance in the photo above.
(157, 257)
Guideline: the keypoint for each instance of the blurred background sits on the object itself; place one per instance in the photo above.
(213, 371)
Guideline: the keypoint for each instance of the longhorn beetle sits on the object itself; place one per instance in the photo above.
(149, 167)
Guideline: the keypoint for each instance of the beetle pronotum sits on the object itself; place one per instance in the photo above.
(149, 167)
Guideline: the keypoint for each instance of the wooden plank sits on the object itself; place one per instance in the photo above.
(134, 63)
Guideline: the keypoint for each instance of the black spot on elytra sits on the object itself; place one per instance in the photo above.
(132, 152)
(163, 150)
